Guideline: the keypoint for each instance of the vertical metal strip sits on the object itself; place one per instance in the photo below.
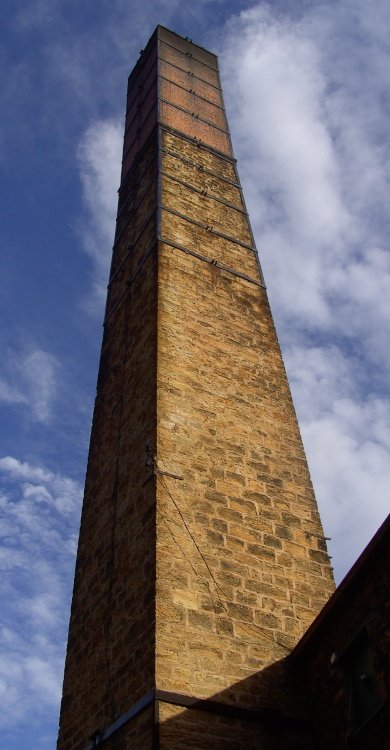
(159, 146)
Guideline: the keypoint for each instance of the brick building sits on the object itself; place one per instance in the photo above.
(201, 559)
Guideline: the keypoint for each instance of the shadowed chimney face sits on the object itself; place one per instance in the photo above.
(201, 557)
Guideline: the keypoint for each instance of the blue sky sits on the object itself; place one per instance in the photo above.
(307, 92)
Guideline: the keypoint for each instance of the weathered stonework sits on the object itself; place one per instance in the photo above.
(201, 557)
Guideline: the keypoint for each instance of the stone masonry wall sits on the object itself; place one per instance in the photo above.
(110, 656)
(242, 567)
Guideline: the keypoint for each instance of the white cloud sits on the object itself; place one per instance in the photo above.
(318, 374)
(10, 395)
(18, 469)
(311, 169)
(31, 380)
(347, 442)
(99, 157)
(39, 372)
(40, 514)
(307, 94)
(352, 476)
(38, 483)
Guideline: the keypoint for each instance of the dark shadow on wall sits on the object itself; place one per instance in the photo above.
(266, 710)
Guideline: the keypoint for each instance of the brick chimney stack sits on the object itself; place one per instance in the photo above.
(201, 557)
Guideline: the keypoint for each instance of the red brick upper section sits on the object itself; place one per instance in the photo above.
(176, 83)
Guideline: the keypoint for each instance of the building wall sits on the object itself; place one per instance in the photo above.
(359, 609)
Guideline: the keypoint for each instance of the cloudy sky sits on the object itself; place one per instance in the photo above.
(307, 91)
